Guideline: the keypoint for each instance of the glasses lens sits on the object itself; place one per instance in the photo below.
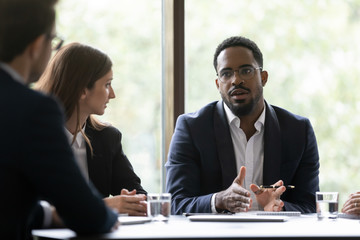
(226, 75)
(247, 73)
(56, 43)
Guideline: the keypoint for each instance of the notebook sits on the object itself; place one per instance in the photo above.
(281, 213)
(348, 216)
(235, 218)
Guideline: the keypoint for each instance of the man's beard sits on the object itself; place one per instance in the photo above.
(244, 109)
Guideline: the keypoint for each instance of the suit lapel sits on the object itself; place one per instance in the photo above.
(224, 146)
(272, 147)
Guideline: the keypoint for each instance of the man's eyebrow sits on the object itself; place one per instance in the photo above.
(229, 68)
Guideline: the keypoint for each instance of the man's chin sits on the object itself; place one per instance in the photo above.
(241, 109)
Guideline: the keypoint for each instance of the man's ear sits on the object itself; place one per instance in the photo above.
(217, 83)
(264, 77)
(36, 47)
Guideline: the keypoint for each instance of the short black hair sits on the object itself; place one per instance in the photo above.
(239, 41)
(21, 22)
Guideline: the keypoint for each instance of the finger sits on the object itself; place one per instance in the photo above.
(279, 191)
(124, 191)
(136, 210)
(133, 198)
(256, 189)
(136, 213)
(279, 183)
(239, 199)
(133, 192)
(134, 207)
(241, 177)
(239, 190)
(240, 207)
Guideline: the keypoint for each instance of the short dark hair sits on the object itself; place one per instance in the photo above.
(239, 41)
(21, 22)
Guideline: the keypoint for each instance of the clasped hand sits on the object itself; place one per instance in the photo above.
(352, 204)
(128, 202)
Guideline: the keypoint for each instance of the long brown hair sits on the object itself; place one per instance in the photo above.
(72, 69)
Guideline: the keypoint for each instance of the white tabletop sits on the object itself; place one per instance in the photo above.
(179, 227)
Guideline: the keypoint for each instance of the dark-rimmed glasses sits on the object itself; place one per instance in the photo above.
(56, 42)
(245, 73)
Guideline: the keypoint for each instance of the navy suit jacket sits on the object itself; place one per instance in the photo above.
(36, 162)
(201, 158)
(109, 168)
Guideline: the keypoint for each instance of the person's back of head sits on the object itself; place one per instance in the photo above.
(21, 22)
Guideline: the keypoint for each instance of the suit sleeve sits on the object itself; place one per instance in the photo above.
(183, 178)
(123, 175)
(50, 167)
(306, 178)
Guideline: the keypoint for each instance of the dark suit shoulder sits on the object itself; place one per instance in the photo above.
(108, 133)
(200, 115)
(26, 98)
(282, 113)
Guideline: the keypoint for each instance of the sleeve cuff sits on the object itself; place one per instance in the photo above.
(47, 214)
(213, 208)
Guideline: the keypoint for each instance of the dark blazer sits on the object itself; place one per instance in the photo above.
(201, 158)
(36, 162)
(109, 168)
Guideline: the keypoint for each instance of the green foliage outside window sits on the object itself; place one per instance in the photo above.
(311, 50)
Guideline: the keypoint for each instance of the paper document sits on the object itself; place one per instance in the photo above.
(127, 220)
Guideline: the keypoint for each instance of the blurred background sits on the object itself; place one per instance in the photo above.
(311, 52)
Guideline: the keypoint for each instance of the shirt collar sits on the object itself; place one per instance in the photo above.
(16, 76)
(232, 119)
(79, 141)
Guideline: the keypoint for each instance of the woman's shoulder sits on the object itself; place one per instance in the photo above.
(107, 131)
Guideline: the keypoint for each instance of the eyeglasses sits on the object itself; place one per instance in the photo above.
(56, 42)
(245, 73)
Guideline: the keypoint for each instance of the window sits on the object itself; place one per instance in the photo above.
(311, 52)
(129, 31)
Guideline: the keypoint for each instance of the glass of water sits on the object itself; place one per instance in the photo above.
(327, 204)
(159, 206)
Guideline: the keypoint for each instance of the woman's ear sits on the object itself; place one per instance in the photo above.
(84, 94)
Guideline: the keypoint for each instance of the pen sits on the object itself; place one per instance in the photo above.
(271, 186)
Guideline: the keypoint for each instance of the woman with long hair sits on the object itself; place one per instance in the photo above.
(80, 77)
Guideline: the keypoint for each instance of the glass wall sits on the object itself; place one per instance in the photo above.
(311, 53)
(129, 31)
(310, 49)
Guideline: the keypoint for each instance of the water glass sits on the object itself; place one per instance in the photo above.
(327, 204)
(159, 206)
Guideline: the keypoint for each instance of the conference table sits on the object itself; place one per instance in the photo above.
(305, 226)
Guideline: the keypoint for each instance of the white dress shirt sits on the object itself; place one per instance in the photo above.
(247, 153)
(79, 150)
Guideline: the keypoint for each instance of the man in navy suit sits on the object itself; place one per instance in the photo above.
(36, 161)
(220, 155)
